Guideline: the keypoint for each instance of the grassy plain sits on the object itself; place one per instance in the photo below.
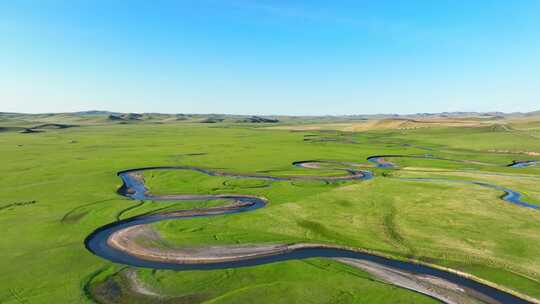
(70, 175)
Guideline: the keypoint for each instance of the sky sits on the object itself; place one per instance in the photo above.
(309, 57)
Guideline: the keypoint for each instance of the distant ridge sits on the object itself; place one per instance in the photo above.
(272, 118)
(94, 113)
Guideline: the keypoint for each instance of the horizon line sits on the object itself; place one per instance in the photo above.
(285, 115)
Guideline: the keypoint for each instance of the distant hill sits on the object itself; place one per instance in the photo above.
(125, 117)
(95, 113)
(258, 119)
(20, 121)
(212, 120)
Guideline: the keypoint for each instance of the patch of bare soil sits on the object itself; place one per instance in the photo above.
(437, 288)
(530, 153)
(123, 240)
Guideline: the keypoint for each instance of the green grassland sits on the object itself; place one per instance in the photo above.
(59, 185)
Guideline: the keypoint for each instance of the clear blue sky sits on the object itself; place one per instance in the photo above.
(270, 57)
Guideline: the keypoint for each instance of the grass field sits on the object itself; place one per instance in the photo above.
(59, 185)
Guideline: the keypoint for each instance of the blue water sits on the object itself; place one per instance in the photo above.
(510, 196)
(97, 241)
(523, 164)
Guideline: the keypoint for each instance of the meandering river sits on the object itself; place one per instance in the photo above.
(442, 284)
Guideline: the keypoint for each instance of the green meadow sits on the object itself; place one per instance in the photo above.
(59, 185)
